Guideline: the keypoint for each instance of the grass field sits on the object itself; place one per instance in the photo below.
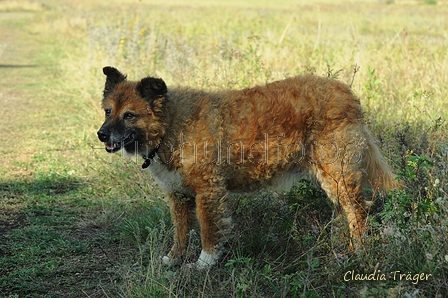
(77, 222)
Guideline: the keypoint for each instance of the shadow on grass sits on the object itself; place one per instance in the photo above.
(17, 66)
(47, 246)
(21, 202)
(39, 187)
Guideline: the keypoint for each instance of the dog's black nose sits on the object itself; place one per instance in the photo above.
(104, 137)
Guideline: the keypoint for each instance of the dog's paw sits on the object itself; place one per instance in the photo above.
(206, 260)
(169, 261)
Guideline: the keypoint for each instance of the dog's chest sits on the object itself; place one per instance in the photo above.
(167, 180)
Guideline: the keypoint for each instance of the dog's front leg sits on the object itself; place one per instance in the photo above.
(183, 216)
(215, 222)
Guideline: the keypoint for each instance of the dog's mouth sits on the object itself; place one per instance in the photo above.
(112, 147)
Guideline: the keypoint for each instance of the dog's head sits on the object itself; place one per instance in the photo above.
(134, 113)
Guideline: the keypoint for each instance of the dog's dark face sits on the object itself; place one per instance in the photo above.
(132, 111)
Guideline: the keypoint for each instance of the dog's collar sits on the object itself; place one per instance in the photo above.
(149, 157)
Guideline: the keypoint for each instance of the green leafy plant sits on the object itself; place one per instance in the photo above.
(404, 206)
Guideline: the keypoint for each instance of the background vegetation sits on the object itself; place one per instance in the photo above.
(77, 222)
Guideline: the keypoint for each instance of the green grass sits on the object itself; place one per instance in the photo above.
(77, 222)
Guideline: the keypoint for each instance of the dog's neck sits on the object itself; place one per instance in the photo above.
(148, 158)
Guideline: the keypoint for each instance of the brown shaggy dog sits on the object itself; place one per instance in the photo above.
(200, 146)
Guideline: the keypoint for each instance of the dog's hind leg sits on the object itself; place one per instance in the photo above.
(341, 176)
(344, 189)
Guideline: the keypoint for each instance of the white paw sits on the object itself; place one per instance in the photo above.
(206, 260)
(169, 261)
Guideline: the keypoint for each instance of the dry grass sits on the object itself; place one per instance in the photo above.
(399, 53)
(17, 5)
(397, 75)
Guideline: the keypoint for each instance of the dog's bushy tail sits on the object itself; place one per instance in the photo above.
(379, 173)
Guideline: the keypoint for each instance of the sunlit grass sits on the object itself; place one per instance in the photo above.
(20, 5)
(399, 50)
(394, 57)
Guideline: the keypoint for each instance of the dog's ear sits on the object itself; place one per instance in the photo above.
(151, 88)
(114, 77)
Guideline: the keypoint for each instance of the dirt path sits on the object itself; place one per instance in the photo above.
(17, 72)
(37, 229)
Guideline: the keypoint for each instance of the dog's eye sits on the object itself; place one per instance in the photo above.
(108, 112)
(128, 116)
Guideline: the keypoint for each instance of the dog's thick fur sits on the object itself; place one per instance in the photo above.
(201, 146)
